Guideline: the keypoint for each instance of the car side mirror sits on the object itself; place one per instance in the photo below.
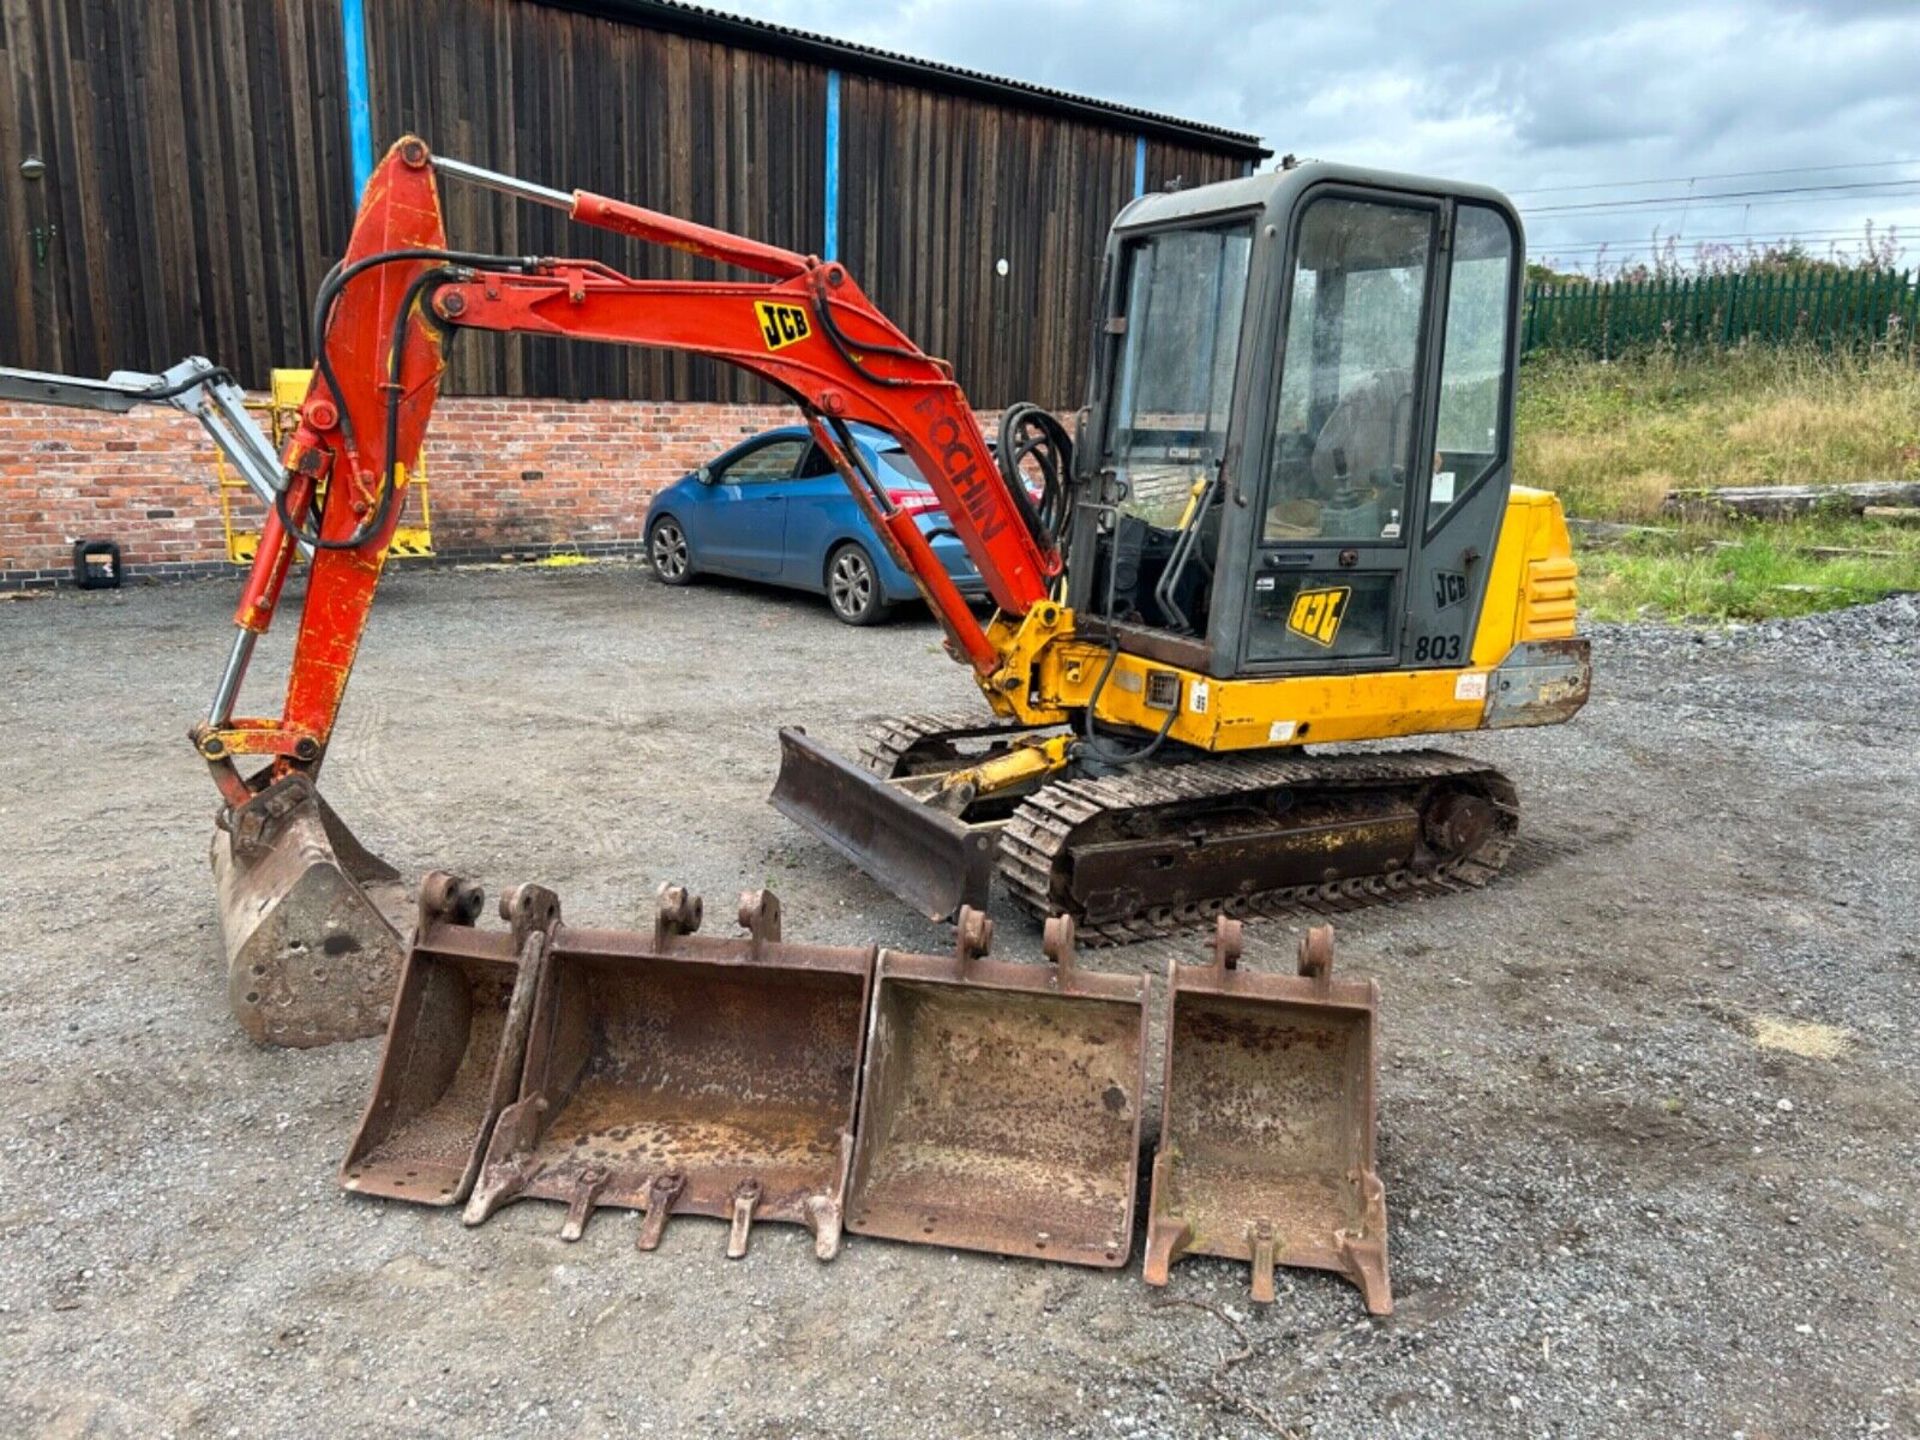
(704, 474)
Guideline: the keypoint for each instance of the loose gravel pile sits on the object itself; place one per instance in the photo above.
(1647, 1106)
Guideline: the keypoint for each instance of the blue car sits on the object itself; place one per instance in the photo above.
(774, 509)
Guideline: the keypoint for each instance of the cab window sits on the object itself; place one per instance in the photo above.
(1344, 432)
(1185, 293)
(1468, 444)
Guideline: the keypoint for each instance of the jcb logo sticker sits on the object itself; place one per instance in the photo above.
(1449, 588)
(1317, 613)
(781, 325)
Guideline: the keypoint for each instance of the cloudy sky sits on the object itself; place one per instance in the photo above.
(1662, 102)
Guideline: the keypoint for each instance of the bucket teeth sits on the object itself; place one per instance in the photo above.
(665, 1191)
(587, 1186)
(825, 1218)
(746, 1195)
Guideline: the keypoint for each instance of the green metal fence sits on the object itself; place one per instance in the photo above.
(1850, 309)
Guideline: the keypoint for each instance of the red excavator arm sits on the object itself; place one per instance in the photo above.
(381, 324)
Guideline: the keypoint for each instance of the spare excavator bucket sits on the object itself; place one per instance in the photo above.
(310, 919)
(934, 861)
(678, 1074)
(1000, 1108)
(1267, 1114)
(455, 1044)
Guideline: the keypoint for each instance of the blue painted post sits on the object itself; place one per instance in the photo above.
(353, 28)
(1139, 166)
(832, 248)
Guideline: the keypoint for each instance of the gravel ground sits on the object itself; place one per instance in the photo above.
(1647, 1112)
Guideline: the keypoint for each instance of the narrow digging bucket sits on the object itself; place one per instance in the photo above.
(678, 1074)
(1266, 1137)
(455, 1044)
(1001, 1104)
(934, 861)
(309, 918)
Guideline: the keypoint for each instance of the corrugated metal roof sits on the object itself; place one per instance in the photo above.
(748, 33)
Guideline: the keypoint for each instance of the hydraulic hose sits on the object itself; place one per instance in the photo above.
(330, 291)
(1029, 433)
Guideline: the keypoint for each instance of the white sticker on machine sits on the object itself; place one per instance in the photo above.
(1198, 691)
(1471, 686)
(1279, 732)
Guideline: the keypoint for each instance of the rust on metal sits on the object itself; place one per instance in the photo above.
(1267, 1118)
(455, 1044)
(1000, 1108)
(312, 953)
(677, 1073)
(1541, 682)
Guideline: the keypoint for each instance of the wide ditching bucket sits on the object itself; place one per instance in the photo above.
(1001, 1104)
(310, 920)
(1267, 1118)
(681, 1074)
(455, 1044)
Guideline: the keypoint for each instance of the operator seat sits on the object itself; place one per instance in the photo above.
(1366, 435)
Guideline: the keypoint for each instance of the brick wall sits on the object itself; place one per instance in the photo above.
(504, 475)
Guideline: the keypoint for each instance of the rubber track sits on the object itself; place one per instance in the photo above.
(1037, 839)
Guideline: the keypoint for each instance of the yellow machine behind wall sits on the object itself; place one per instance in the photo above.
(281, 409)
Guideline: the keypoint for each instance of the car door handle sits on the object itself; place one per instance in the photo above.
(1288, 560)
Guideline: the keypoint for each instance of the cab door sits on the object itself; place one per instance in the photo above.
(1343, 454)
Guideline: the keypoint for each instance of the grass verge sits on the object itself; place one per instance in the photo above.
(1750, 571)
(1611, 439)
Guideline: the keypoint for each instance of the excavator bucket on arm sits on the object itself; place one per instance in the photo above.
(1267, 1114)
(455, 1044)
(680, 1074)
(310, 917)
(1001, 1104)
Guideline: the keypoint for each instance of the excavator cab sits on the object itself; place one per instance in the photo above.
(1299, 451)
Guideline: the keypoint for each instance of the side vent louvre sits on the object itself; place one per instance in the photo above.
(1548, 602)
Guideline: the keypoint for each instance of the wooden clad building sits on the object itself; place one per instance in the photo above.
(177, 175)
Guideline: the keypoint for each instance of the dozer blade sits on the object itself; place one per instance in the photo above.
(678, 1074)
(1001, 1104)
(1266, 1137)
(312, 955)
(455, 1045)
(930, 859)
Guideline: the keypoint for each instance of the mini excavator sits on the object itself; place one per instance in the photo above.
(1284, 518)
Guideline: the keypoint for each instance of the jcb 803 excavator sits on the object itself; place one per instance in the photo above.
(1291, 521)
(1287, 520)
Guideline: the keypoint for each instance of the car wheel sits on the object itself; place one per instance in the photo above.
(667, 550)
(853, 586)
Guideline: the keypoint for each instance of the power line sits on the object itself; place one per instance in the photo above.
(1722, 195)
(1721, 175)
